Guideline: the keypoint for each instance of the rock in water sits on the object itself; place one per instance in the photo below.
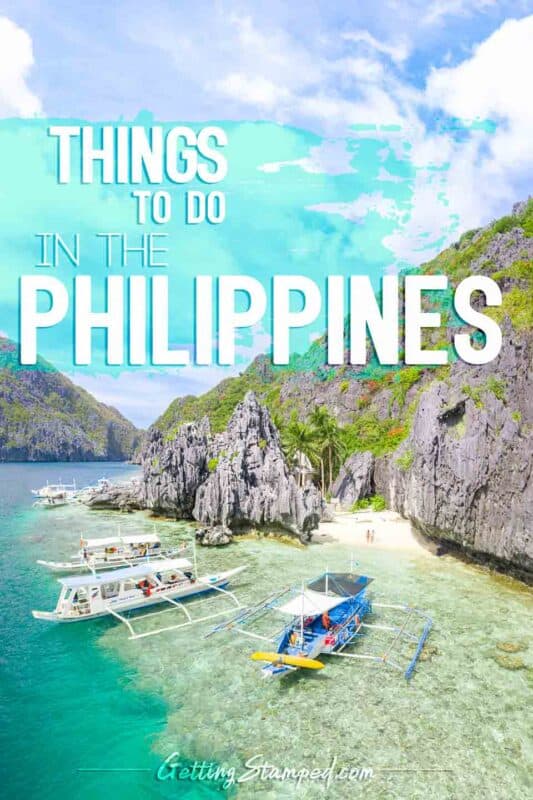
(214, 537)
(249, 482)
(117, 497)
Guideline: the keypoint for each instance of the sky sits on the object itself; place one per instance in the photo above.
(443, 85)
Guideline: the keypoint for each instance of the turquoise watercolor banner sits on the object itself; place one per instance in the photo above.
(297, 204)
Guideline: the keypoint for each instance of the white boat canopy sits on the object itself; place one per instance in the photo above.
(147, 538)
(309, 603)
(139, 571)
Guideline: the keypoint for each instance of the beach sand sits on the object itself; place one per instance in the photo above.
(391, 531)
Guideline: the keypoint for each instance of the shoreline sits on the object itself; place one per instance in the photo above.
(391, 531)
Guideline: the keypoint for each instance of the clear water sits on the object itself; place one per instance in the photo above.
(77, 698)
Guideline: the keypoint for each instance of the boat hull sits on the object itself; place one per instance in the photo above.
(68, 567)
(206, 583)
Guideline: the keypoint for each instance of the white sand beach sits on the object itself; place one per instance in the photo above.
(391, 531)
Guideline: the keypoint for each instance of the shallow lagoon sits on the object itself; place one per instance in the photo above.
(84, 696)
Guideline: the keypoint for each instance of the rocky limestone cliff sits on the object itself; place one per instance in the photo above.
(230, 481)
(174, 469)
(355, 479)
(250, 483)
(46, 417)
(465, 473)
(448, 447)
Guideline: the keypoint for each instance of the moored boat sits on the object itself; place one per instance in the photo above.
(54, 495)
(85, 597)
(326, 616)
(59, 489)
(110, 553)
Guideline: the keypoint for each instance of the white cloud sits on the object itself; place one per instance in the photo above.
(252, 90)
(16, 60)
(494, 84)
(438, 9)
(357, 210)
(332, 157)
(398, 51)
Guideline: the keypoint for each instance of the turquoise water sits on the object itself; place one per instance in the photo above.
(84, 697)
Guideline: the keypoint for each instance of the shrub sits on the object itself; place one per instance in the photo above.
(403, 380)
(405, 461)
(517, 416)
(344, 386)
(474, 393)
(212, 464)
(368, 432)
(374, 503)
(496, 386)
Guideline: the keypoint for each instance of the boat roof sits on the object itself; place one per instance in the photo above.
(139, 571)
(146, 538)
(346, 584)
(309, 604)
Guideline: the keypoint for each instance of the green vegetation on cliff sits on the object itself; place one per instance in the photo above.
(374, 405)
(46, 417)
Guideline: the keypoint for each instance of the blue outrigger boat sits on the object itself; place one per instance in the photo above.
(327, 616)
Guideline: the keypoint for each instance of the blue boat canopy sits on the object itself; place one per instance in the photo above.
(345, 584)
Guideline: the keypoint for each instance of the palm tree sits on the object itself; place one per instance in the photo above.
(299, 437)
(329, 438)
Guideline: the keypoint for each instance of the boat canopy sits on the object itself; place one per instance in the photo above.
(309, 604)
(139, 571)
(343, 583)
(147, 538)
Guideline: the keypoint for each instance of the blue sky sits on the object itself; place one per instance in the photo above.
(319, 68)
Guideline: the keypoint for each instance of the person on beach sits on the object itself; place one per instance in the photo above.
(368, 535)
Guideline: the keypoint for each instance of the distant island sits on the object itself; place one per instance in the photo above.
(44, 416)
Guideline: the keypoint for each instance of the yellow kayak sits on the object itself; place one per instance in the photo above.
(291, 661)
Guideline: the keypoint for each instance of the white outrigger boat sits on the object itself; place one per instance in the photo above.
(85, 597)
(111, 552)
(55, 494)
(55, 489)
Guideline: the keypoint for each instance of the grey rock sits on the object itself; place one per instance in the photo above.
(217, 536)
(116, 497)
(174, 469)
(251, 484)
(355, 479)
(470, 482)
(237, 479)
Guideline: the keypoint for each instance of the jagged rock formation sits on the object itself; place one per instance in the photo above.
(465, 473)
(355, 479)
(46, 417)
(117, 497)
(231, 481)
(250, 483)
(448, 447)
(173, 470)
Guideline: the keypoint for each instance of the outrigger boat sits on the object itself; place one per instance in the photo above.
(55, 490)
(111, 552)
(85, 597)
(326, 616)
(52, 501)
(55, 494)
